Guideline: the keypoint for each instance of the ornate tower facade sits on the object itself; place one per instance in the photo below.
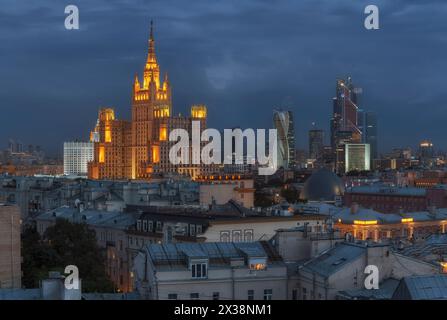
(139, 148)
(151, 100)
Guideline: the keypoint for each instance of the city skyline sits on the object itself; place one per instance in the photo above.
(94, 67)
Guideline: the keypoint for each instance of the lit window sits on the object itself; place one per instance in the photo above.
(163, 133)
(257, 266)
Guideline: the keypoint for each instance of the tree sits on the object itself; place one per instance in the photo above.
(64, 244)
(290, 194)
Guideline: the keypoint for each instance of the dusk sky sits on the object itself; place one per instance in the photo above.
(240, 58)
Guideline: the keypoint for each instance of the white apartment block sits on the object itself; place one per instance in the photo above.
(76, 157)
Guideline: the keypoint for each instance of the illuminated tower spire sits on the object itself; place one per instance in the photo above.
(151, 58)
(152, 69)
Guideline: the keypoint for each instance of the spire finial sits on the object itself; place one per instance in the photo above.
(152, 29)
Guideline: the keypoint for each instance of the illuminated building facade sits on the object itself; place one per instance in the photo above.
(357, 157)
(344, 122)
(367, 224)
(283, 123)
(77, 155)
(111, 148)
(139, 148)
(344, 116)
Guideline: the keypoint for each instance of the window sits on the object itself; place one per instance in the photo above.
(268, 294)
(248, 235)
(192, 230)
(215, 295)
(139, 225)
(250, 295)
(237, 237)
(194, 296)
(224, 236)
(198, 270)
(172, 296)
(145, 225)
(304, 294)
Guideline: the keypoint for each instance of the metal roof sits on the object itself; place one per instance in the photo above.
(427, 287)
(216, 252)
(334, 259)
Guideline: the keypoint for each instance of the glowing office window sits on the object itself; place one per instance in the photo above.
(102, 154)
(108, 135)
(156, 154)
(163, 133)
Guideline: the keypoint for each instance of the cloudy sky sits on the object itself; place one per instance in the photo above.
(241, 58)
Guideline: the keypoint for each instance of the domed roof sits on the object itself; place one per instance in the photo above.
(323, 185)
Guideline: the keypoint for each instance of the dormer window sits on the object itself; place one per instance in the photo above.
(199, 270)
(257, 264)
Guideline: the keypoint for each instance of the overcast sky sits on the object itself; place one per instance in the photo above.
(241, 58)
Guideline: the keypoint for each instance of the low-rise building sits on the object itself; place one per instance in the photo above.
(368, 224)
(210, 271)
(389, 199)
(342, 268)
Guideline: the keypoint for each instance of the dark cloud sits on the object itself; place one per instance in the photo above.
(241, 58)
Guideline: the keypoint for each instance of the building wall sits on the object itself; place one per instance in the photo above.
(231, 283)
(258, 228)
(388, 202)
(221, 192)
(10, 256)
(385, 232)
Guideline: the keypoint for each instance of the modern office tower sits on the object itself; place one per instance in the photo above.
(316, 144)
(357, 157)
(10, 257)
(344, 114)
(139, 148)
(283, 123)
(367, 122)
(77, 155)
(344, 121)
(426, 153)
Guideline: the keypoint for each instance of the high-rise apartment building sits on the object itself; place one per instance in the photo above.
(139, 148)
(283, 123)
(77, 155)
